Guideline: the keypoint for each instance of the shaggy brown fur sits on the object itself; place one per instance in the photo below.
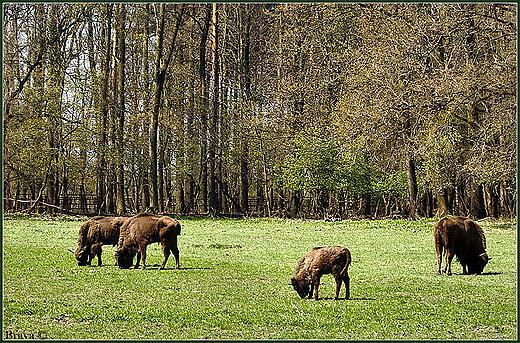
(321, 261)
(144, 229)
(463, 238)
(93, 234)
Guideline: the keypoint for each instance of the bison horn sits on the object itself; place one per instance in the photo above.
(72, 251)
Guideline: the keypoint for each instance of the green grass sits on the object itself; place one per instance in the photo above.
(234, 284)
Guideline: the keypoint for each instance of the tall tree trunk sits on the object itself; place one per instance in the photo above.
(158, 87)
(189, 189)
(160, 171)
(111, 175)
(120, 108)
(65, 191)
(204, 106)
(161, 66)
(55, 74)
(144, 170)
(212, 189)
(244, 179)
(491, 202)
(83, 206)
(445, 201)
(477, 208)
(102, 113)
(246, 85)
(411, 180)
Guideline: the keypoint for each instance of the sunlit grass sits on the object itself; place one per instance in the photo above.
(233, 284)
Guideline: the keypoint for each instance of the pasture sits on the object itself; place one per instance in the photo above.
(234, 284)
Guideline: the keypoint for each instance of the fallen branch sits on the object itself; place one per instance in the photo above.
(36, 202)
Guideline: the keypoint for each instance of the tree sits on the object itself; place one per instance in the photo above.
(102, 107)
(162, 62)
(212, 189)
(120, 106)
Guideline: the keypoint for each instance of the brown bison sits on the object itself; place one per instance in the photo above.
(93, 234)
(321, 261)
(144, 229)
(463, 238)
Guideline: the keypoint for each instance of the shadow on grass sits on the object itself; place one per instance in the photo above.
(156, 266)
(481, 274)
(349, 299)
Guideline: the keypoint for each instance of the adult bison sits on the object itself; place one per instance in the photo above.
(144, 229)
(93, 234)
(463, 238)
(321, 261)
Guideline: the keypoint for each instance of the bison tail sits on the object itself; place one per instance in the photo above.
(345, 268)
(441, 237)
(441, 232)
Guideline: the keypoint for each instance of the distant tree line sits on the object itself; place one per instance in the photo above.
(315, 110)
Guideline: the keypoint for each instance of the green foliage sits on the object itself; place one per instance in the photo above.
(317, 164)
(313, 164)
(233, 284)
(389, 182)
(357, 174)
(443, 155)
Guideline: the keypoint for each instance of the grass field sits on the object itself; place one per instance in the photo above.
(234, 284)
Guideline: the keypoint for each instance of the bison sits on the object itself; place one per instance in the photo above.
(463, 238)
(93, 234)
(144, 229)
(319, 261)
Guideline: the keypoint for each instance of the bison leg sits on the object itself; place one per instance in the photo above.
(175, 252)
(339, 280)
(464, 271)
(166, 253)
(316, 284)
(143, 256)
(312, 291)
(438, 248)
(90, 256)
(449, 257)
(138, 260)
(96, 251)
(346, 279)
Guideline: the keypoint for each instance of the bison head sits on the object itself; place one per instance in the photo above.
(124, 257)
(82, 255)
(477, 265)
(301, 286)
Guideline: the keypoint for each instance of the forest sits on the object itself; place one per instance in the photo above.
(324, 110)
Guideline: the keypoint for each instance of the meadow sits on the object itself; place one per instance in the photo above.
(234, 284)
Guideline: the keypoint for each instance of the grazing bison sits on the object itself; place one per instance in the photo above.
(93, 234)
(463, 238)
(144, 229)
(321, 261)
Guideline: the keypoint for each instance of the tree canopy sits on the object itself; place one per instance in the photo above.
(298, 109)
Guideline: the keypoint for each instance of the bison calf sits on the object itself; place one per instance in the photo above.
(93, 234)
(145, 229)
(463, 238)
(321, 261)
